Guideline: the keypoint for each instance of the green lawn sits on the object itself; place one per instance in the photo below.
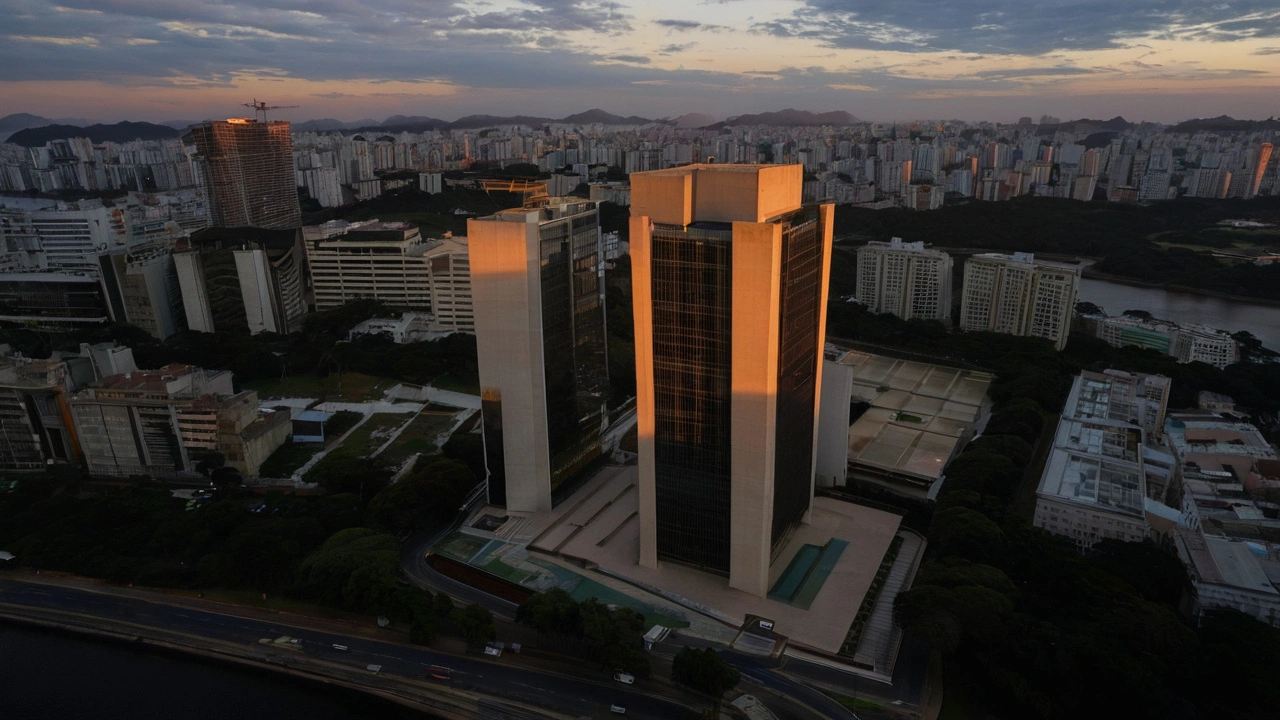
(373, 433)
(347, 387)
(448, 381)
(288, 457)
(419, 437)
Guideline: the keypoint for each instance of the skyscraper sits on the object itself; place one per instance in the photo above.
(729, 285)
(1020, 295)
(246, 167)
(540, 338)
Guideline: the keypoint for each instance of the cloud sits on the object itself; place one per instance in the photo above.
(85, 41)
(637, 59)
(1266, 51)
(686, 25)
(1014, 27)
(675, 48)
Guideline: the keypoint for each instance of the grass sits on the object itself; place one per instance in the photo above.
(342, 421)
(288, 457)
(448, 381)
(853, 703)
(907, 417)
(373, 433)
(419, 437)
(460, 547)
(347, 387)
(505, 571)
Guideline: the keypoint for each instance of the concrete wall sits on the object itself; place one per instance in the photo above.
(716, 193)
(757, 259)
(195, 297)
(642, 312)
(506, 297)
(832, 456)
(255, 289)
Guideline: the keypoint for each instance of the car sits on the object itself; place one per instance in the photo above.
(439, 673)
(617, 709)
(491, 650)
(766, 624)
(623, 677)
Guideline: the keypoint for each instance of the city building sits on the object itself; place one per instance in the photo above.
(163, 422)
(393, 263)
(904, 279)
(1108, 467)
(538, 297)
(246, 167)
(35, 422)
(1187, 343)
(242, 278)
(1020, 295)
(729, 278)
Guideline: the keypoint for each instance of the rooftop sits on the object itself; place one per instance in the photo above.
(1098, 463)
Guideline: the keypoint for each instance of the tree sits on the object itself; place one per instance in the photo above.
(704, 670)
(443, 605)
(477, 623)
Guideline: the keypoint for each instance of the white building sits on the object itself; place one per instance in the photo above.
(1095, 483)
(905, 279)
(1020, 295)
(393, 263)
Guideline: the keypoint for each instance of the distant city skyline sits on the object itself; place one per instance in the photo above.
(111, 60)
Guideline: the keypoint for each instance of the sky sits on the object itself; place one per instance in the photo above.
(882, 60)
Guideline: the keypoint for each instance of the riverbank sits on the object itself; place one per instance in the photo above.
(1089, 273)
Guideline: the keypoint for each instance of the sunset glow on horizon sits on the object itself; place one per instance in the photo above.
(112, 60)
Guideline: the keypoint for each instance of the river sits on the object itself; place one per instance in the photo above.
(48, 675)
(1230, 315)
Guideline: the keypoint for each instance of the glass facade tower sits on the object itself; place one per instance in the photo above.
(729, 280)
(540, 334)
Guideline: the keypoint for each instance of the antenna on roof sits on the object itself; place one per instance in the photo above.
(260, 108)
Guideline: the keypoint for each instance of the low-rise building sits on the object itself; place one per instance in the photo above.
(1109, 467)
(1187, 343)
(161, 423)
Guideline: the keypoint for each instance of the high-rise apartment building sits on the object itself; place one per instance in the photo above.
(1019, 295)
(729, 282)
(246, 167)
(539, 311)
(905, 279)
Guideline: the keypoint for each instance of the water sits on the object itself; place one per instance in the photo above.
(1230, 315)
(53, 676)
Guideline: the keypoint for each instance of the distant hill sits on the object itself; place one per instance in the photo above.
(1224, 123)
(10, 124)
(694, 120)
(118, 132)
(331, 124)
(791, 118)
(595, 116)
(1115, 124)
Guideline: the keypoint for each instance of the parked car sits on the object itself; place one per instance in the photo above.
(618, 709)
(623, 677)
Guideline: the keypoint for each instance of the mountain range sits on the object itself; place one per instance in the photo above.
(117, 132)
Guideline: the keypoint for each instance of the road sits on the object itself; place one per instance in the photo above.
(577, 697)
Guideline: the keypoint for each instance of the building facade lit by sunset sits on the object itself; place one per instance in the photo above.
(246, 168)
(729, 283)
(539, 312)
(1019, 295)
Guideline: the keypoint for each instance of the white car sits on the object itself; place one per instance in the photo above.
(624, 677)
(618, 709)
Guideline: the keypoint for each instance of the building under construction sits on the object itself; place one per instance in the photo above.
(246, 167)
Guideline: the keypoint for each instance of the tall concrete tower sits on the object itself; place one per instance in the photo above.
(540, 337)
(729, 285)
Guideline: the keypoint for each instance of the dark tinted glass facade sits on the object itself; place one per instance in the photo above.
(692, 288)
(573, 343)
(798, 314)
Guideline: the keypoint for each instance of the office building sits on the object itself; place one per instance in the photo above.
(904, 279)
(246, 168)
(1020, 295)
(242, 279)
(1109, 466)
(729, 278)
(1187, 343)
(536, 284)
(162, 422)
(391, 262)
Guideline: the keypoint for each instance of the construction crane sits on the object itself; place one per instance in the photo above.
(260, 108)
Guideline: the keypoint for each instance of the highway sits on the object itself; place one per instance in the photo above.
(497, 680)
